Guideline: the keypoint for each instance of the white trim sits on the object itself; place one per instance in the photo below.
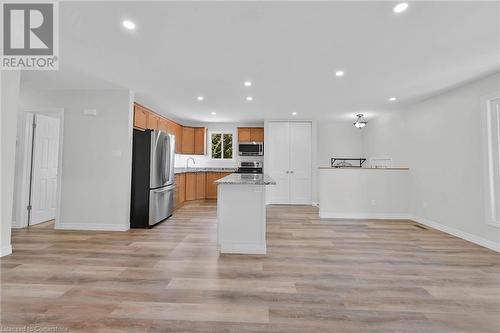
(458, 233)
(238, 248)
(5, 250)
(222, 132)
(364, 216)
(91, 226)
(492, 217)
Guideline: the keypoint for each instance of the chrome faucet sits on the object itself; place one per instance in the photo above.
(187, 162)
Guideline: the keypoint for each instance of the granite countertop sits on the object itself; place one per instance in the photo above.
(246, 179)
(208, 169)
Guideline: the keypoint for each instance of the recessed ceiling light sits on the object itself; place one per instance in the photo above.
(213, 113)
(339, 73)
(294, 113)
(200, 98)
(400, 7)
(249, 98)
(128, 24)
(248, 83)
(392, 99)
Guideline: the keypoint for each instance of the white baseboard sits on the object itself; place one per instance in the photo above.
(5, 250)
(237, 248)
(364, 216)
(91, 226)
(458, 233)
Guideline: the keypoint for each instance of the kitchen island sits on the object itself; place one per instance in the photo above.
(241, 213)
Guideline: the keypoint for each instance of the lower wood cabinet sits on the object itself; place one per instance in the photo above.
(196, 186)
(180, 190)
(190, 186)
(211, 192)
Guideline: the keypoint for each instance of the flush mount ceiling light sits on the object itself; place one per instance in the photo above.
(294, 113)
(248, 83)
(128, 24)
(392, 99)
(339, 73)
(249, 98)
(361, 121)
(400, 7)
(213, 113)
(200, 98)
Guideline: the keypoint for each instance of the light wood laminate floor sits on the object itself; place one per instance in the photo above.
(318, 276)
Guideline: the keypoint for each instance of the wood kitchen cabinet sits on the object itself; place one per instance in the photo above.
(257, 134)
(211, 192)
(243, 134)
(248, 134)
(153, 120)
(190, 186)
(180, 190)
(163, 125)
(178, 138)
(199, 140)
(187, 140)
(140, 117)
(201, 181)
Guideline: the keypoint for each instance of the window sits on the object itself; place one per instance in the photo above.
(492, 122)
(221, 145)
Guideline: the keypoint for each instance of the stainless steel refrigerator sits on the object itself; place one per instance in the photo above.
(153, 178)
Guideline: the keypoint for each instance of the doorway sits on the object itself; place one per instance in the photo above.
(38, 161)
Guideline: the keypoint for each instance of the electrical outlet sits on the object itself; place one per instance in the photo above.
(374, 202)
(425, 204)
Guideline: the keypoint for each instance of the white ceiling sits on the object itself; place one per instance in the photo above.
(289, 50)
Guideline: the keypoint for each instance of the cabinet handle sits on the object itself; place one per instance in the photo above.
(291, 171)
(287, 171)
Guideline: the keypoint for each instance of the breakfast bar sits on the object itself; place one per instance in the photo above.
(241, 213)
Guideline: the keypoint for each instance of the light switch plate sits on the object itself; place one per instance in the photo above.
(90, 112)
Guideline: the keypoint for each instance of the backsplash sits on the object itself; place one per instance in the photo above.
(206, 161)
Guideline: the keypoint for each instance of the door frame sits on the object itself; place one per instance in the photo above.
(23, 193)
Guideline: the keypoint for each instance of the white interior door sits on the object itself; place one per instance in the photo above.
(44, 178)
(278, 161)
(300, 163)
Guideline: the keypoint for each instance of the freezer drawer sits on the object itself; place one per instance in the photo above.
(161, 204)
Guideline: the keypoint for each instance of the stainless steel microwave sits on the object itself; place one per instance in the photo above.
(251, 149)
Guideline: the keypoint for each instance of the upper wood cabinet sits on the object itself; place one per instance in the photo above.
(153, 121)
(243, 134)
(257, 134)
(246, 134)
(140, 117)
(188, 140)
(199, 140)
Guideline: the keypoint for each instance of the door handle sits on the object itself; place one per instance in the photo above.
(287, 171)
(291, 171)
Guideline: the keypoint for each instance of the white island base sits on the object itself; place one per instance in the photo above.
(241, 214)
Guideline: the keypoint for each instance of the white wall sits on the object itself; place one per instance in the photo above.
(9, 88)
(97, 156)
(440, 139)
(206, 160)
(338, 139)
(364, 193)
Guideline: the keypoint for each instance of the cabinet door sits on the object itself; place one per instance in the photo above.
(187, 140)
(278, 162)
(153, 121)
(257, 134)
(178, 138)
(140, 117)
(211, 191)
(201, 186)
(190, 186)
(300, 163)
(244, 134)
(163, 125)
(199, 140)
(180, 190)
